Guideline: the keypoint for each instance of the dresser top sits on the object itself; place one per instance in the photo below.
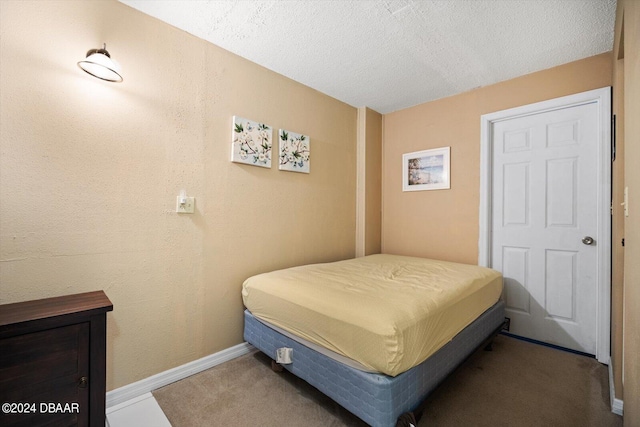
(89, 302)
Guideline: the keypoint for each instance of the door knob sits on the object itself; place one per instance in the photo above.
(587, 240)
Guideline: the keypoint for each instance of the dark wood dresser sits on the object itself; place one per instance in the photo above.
(53, 361)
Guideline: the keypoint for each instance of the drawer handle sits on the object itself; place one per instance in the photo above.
(82, 382)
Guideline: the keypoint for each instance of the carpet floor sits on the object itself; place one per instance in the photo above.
(516, 384)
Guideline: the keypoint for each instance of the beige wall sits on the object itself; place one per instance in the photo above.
(373, 179)
(90, 171)
(369, 187)
(631, 320)
(443, 224)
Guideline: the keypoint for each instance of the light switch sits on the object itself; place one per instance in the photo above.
(188, 206)
(625, 203)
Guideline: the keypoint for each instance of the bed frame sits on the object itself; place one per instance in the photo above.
(378, 399)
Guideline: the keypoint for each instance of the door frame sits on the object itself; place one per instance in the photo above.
(602, 98)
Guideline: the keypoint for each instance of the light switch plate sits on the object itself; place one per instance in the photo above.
(188, 207)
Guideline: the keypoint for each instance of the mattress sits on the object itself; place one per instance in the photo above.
(387, 312)
(376, 398)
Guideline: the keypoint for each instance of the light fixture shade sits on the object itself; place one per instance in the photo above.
(99, 64)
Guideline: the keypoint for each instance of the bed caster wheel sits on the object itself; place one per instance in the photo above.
(407, 420)
(275, 367)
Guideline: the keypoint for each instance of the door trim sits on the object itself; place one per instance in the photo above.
(601, 97)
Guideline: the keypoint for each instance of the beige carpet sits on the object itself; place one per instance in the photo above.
(516, 384)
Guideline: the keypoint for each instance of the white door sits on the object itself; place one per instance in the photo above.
(545, 223)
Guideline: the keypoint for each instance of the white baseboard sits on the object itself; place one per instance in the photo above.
(617, 405)
(147, 385)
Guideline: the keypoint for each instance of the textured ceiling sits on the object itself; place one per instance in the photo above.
(393, 54)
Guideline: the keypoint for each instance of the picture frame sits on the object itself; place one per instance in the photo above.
(427, 170)
(295, 149)
(251, 142)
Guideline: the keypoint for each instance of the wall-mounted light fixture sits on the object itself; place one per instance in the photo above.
(99, 64)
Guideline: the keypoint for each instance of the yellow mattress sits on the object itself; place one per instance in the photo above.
(387, 312)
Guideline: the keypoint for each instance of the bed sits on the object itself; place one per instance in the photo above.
(375, 333)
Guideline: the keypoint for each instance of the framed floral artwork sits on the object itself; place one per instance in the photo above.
(294, 152)
(426, 170)
(251, 142)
